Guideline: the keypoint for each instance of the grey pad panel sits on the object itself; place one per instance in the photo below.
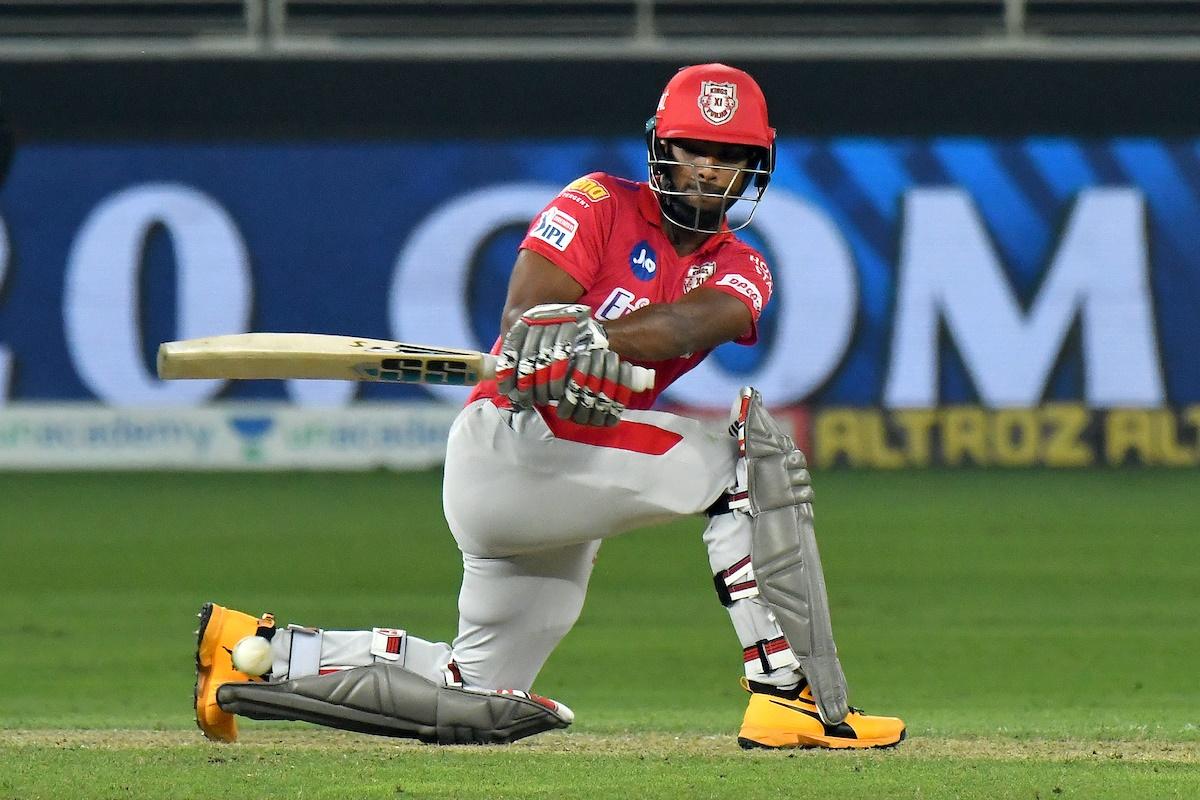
(785, 557)
(389, 700)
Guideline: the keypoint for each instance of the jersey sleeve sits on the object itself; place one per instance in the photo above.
(571, 230)
(744, 275)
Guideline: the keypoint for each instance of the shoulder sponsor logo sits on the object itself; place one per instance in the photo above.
(643, 261)
(555, 227)
(717, 101)
(760, 267)
(589, 188)
(574, 198)
(619, 303)
(744, 287)
(697, 274)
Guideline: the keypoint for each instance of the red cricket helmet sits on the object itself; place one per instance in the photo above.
(715, 103)
(711, 103)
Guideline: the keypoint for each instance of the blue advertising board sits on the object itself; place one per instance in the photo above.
(909, 273)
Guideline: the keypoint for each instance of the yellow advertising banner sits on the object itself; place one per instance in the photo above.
(1050, 435)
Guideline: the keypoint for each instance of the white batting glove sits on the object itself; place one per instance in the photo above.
(598, 390)
(536, 353)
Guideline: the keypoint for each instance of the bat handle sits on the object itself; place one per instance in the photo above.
(643, 377)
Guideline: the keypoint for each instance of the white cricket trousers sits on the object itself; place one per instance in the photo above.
(528, 506)
(529, 499)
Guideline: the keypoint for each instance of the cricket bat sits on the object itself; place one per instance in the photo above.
(250, 356)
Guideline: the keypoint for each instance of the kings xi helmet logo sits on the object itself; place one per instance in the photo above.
(717, 101)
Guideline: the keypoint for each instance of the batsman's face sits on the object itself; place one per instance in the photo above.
(708, 171)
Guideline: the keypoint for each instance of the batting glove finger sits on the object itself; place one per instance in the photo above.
(527, 360)
(575, 404)
(509, 356)
(593, 394)
(550, 375)
(606, 384)
(624, 390)
(616, 390)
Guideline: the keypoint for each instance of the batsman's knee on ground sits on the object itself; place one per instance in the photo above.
(380, 695)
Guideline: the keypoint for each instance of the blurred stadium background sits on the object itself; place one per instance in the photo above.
(985, 235)
(982, 223)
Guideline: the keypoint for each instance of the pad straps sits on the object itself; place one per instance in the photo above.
(736, 582)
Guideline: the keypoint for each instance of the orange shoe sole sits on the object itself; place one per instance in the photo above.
(750, 738)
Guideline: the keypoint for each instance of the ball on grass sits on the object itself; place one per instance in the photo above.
(252, 655)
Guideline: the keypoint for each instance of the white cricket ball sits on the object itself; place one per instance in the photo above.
(252, 655)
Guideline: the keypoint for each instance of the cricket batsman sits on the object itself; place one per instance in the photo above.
(559, 453)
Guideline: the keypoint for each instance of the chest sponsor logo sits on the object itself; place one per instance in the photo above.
(697, 274)
(555, 227)
(589, 188)
(717, 101)
(744, 287)
(643, 261)
(619, 303)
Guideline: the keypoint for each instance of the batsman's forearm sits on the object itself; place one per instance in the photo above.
(661, 331)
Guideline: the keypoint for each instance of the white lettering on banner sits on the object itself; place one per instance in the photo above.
(242, 436)
(428, 299)
(5, 354)
(86, 435)
(949, 272)
(817, 296)
(101, 294)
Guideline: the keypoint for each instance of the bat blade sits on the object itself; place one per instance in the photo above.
(319, 356)
(278, 356)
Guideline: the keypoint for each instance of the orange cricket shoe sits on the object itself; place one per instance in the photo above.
(778, 718)
(220, 629)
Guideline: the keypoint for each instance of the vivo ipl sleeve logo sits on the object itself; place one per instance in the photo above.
(556, 228)
(643, 261)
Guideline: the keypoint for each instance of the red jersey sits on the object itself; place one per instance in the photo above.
(607, 234)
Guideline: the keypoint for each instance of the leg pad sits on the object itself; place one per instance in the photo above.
(784, 553)
(389, 700)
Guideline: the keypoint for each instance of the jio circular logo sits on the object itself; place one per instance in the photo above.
(643, 261)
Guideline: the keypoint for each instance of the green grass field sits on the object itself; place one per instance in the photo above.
(1037, 630)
